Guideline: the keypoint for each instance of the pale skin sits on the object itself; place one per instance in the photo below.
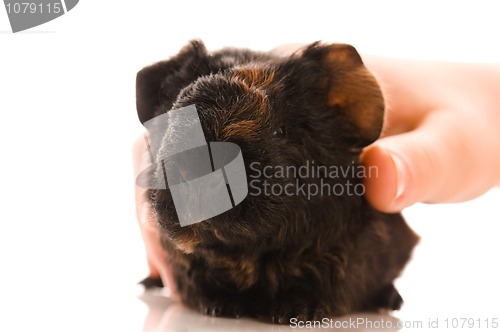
(156, 256)
(441, 137)
(440, 142)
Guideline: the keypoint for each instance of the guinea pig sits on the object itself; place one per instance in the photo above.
(288, 250)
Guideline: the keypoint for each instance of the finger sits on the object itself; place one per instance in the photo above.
(438, 162)
(145, 217)
(156, 256)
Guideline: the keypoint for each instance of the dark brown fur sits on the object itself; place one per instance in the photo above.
(280, 256)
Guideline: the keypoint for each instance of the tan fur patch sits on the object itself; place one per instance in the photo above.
(250, 118)
(245, 128)
(254, 76)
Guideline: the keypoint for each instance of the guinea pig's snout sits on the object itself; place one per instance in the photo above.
(205, 179)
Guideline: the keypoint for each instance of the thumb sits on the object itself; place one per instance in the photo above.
(437, 162)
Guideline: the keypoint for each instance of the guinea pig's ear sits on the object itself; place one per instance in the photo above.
(351, 90)
(160, 83)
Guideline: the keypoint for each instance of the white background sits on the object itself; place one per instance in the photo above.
(70, 250)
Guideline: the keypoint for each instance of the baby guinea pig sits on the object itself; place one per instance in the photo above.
(301, 122)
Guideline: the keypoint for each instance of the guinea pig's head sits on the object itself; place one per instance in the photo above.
(300, 122)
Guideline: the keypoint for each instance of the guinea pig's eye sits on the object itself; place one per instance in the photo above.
(279, 132)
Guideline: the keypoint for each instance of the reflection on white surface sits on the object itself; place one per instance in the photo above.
(166, 315)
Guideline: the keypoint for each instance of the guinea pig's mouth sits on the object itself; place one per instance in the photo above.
(211, 234)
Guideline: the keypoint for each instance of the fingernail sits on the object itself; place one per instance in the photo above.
(401, 178)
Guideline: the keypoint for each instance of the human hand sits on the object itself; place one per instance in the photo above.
(441, 136)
